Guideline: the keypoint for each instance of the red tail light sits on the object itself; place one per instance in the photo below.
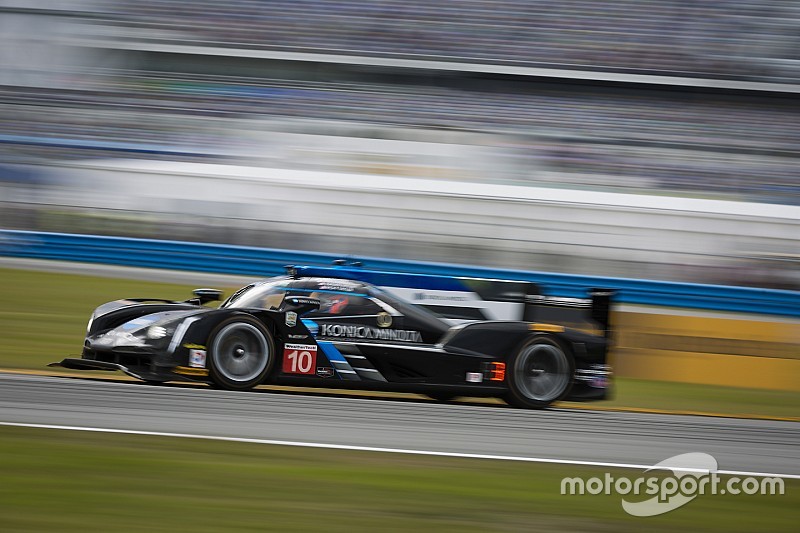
(497, 372)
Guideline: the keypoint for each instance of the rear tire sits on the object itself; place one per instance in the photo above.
(241, 353)
(539, 373)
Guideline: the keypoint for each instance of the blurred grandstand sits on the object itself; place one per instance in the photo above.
(739, 39)
(656, 97)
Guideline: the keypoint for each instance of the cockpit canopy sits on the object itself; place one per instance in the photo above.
(338, 298)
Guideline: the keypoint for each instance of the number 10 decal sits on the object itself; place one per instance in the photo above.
(300, 359)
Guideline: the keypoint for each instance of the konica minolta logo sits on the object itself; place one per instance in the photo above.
(364, 332)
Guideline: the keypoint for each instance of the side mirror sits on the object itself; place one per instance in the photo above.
(300, 304)
(204, 296)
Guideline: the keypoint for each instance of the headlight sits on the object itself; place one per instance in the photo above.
(156, 332)
(89, 325)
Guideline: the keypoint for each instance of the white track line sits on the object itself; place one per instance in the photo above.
(388, 450)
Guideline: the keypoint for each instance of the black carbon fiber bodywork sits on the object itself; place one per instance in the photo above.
(334, 332)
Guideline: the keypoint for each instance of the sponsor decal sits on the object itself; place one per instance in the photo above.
(194, 346)
(384, 319)
(558, 301)
(299, 358)
(337, 286)
(291, 319)
(325, 371)
(302, 300)
(364, 332)
(474, 377)
(298, 336)
(440, 296)
(197, 358)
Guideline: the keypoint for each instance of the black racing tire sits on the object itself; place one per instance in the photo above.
(241, 353)
(539, 373)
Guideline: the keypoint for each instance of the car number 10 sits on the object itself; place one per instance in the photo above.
(299, 359)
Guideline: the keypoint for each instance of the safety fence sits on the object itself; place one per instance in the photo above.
(265, 262)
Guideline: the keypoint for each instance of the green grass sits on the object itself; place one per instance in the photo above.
(43, 319)
(64, 481)
(671, 396)
(43, 315)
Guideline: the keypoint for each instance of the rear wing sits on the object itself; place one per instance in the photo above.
(466, 298)
(590, 314)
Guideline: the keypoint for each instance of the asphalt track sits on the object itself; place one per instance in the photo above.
(741, 445)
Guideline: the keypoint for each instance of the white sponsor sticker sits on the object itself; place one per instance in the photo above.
(474, 377)
(291, 319)
(301, 347)
(197, 358)
(299, 358)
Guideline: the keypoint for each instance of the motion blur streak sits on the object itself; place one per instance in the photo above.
(604, 437)
(637, 139)
(384, 450)
(728, 351)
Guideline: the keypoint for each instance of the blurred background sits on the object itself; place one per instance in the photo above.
(648, 139)
(632, 138)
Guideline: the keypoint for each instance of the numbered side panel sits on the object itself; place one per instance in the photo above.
(300, 359)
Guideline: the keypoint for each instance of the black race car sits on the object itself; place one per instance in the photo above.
(350, 327)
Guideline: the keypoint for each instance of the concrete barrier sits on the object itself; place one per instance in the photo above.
(755, 352)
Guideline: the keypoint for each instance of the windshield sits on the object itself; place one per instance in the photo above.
(270, 295)
(265, 295)
(422, 314)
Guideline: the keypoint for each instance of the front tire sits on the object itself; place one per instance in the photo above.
(539, 373)
(241, 353)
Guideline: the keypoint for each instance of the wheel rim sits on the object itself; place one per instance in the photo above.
(240, 352)
(542, 372)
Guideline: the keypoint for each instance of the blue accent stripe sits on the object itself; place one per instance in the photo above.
(312, 326)
(248, 260)
(98, 144)
(331, 352)
(334, 355)
(346, 293)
